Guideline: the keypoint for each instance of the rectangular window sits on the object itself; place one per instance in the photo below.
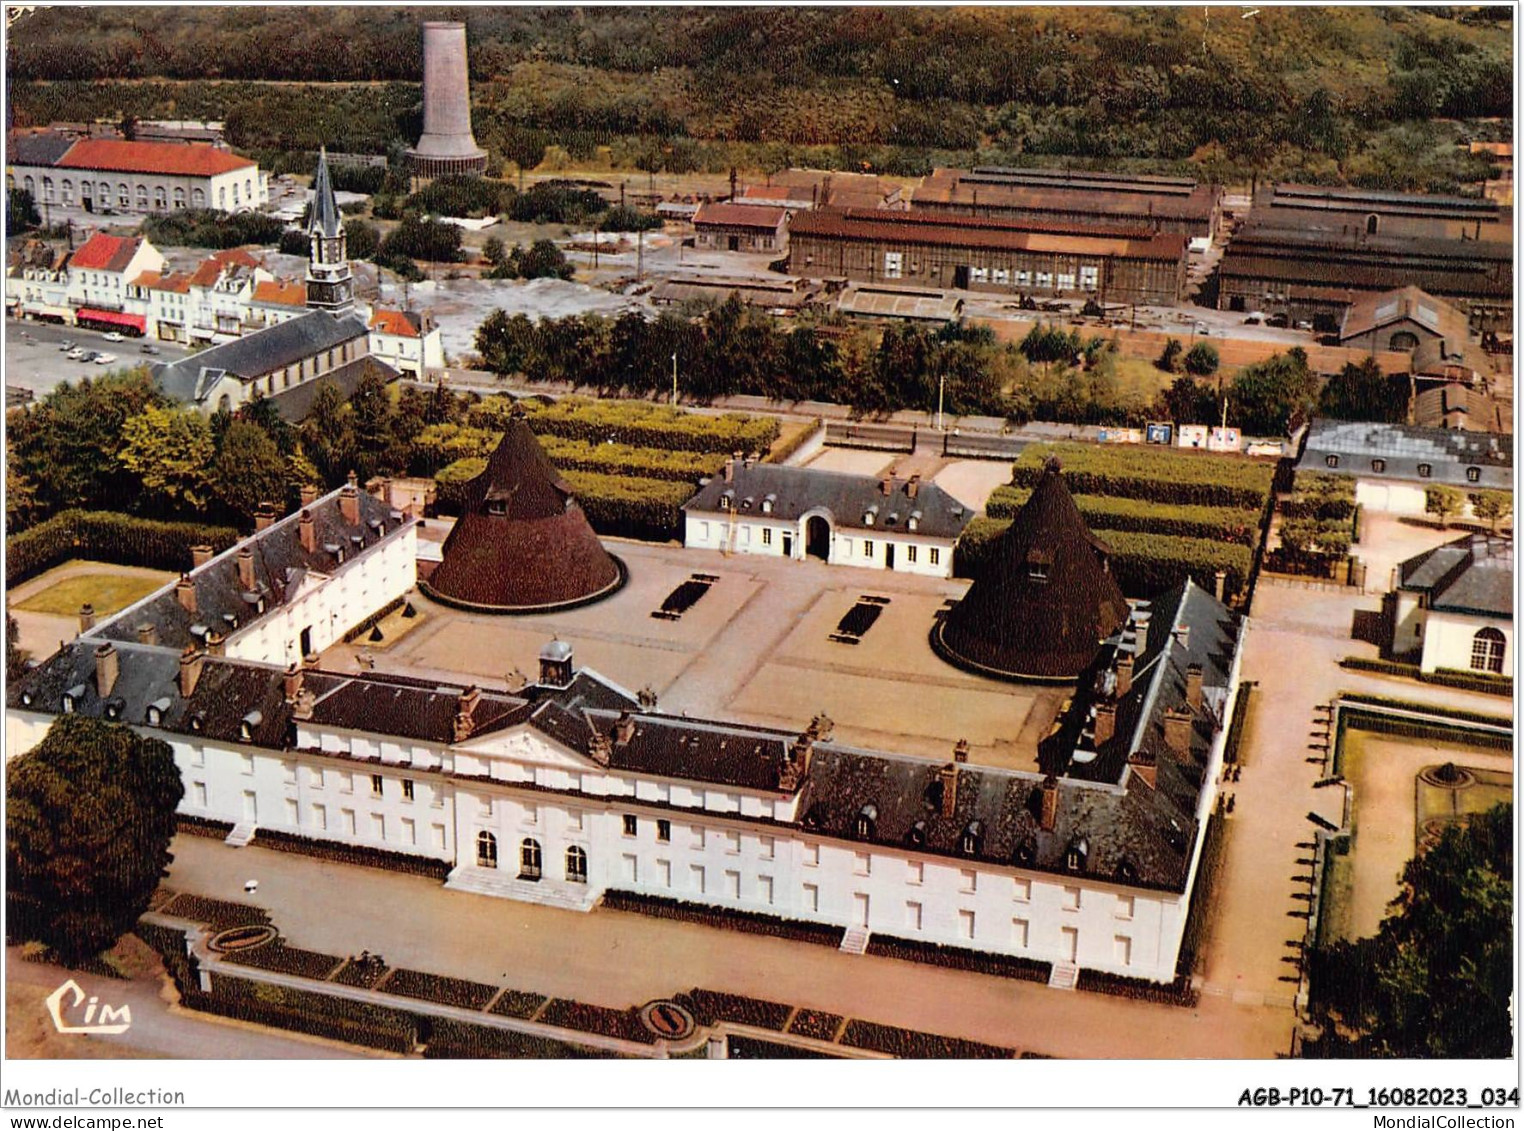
(765, 889)
(1045, 279)
(631, 869)
(407, 789)
(409, 831)
(979, 274)
(698, 836)
(767, 536)
(1071, 899)
(1065, 281)
(1002, 276)
(936, 556)
(1023, 278)
(664, 873)
(1126, 904)
(246, 763)
(1023, 891)
(696, 878)
(1019, 929)
(910, 553)
(375, 785)
(346, 783)
(732, 843)
(968, 880)
(319, 817)
(663, 831)
(198, 794)
(531, 814)
(812, 897)
(893, 264)
(917, 872)
(913, 916)
(348, 817)
(812, 856)
(291, 811)
(574, 820)
(631, 824)
(1089, 278)
(733, 884)
(314, 777)
(862, 864)
(965, 924)
(439, 836)
(766, 846)
(378, 826)
(288, 773)
(867, 547)
(486, 807)
(198, 756)
(1123, 950)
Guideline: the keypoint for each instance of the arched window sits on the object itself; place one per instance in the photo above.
(1487, 649)
(1372, 224)
(160, 198)
(198, 198)
(222, 198)
(123, 194)
(529, 859)
(486, 850)
(29, 185)
(576, 865)
(179, 197)
(867, 819)
(1404, 340)
(47, 189)
(68, 192)
(143, 198)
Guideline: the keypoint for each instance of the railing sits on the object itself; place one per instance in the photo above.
(875, 437)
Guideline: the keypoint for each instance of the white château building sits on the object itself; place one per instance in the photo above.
(569, 787)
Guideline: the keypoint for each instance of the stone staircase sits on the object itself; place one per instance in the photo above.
(242, 834)
(1065, 976)
(485, 881)
(855, 940)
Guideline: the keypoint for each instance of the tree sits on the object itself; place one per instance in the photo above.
(15, 656)
(249, 470)
(543, 260)
(361, 240)
(20, 499)
(1169, 360)
(525, 148)
(1363, 392)
(90, 813)
(170, 449)
(1186, 402)
(1437, 978)
(1264, 396)
(294, 241)
(1202, 360)
(1492, 506)
(20, 211)
(1444, 503)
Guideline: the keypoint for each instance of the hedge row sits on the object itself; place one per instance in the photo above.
(408, 862)
(1316, 494)
(907, 1044)
(623, 506)
(441, 444)
(960, 958)
(624, 1024)
(285, 959)
(1458, 713)
(108, 537)
(782, 451)
(641, 424)
(1483, 682)
(1143, 564)
(710, 1007)
(751, 922)
(1151, 473)
(1227, 524)
(815, 1023)
(461, 1040)
(304, 1011)
(441, 989)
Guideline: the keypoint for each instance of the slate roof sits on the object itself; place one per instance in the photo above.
(158, 157)
(259, 353)
(325, 209)
(1448, 453)
(845, 499)
(522, 542)
(38, 149)
(1473, 574)
(280, 563)
(1046, 600)
(295, 403)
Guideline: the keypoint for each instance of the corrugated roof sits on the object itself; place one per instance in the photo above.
(157, 157)
(883, 226)
(900, 302)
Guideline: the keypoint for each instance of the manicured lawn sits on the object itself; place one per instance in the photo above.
(108, 592)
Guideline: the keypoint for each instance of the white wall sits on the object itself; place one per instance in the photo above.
(857, 547)
(1447, 640)
(1393, 498)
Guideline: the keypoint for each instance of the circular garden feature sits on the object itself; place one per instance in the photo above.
(667, 1020)
(241, 938)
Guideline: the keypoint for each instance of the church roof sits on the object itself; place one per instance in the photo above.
(522, 542)
(254, 355)
(1045, 602)
(325, 209)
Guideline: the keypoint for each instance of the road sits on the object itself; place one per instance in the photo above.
(40, 366)
(157, 1028)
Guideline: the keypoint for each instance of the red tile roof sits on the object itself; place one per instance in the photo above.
(398, 322)
(739, 216)
(165, 158)
(238, 257)
(279, 292)
(941, 230)
(105, 253)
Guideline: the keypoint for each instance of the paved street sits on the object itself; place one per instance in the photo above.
(39, 365)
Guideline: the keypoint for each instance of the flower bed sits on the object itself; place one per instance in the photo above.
(622, 1023)
(353, 854)
(709, 1007)
(242, 938)
(307, 1011)
(461, 1041)
(202, 826)
(750, 1048)
(438, 988)
(361, 974)
(517, 1003)
(1178, 992)
(219, 914)
(911, 1045)
(814, 1023)
(795, 930)
(283, 959)
(957, 958)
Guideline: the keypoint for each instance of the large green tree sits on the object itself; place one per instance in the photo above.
(249, 470)
(1437, 979)
(89, 815)
(1363, 392)
(170, 450)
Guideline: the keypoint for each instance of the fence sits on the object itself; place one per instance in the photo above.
(982, 446)
(875, 437)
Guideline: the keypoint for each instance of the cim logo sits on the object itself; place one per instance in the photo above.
(97, 1018)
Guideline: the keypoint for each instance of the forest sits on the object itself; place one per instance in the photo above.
(1374, 96)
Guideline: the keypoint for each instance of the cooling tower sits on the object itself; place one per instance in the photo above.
(446, 145)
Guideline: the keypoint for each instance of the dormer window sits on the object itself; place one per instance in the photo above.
(1425, 470)
(917, 834)
(767, 504)
(747, 502)
(155, 716)
(867, 821)
(247, 724)
(198, 722)
(1332, 461)
(1037, 567)
(68, 704)
(1078, 852)
(869, 516)
(1378, 465)
(972, 838)
(914, 522)
(1473, 475)
(497, 507)
(1026, 852)
(1127, 871)
(725, 501)
(26, 698)
(114, 708)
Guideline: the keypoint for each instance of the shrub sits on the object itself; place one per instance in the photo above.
(710, 1007)
(109, 537)
(622, 1023)
(959, 958)
(436, 987)
(909, 1044)
(517, 1003)
(1151, 473)
(1227, 524)
(647, 425)
(750, 922)
(814, 1023)
(1202, 360)
(1484, 682)
(206, 227)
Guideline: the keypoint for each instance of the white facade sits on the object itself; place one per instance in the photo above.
(1457, 641)
(244, 189)
(411, 355)
(756, 533)
(1390, 497)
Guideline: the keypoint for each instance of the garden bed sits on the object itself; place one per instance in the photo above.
(1484, 683)
(750, 1048)
(710, 1007)
(517, 1003)
(1178, 992)
(219, 914)
(360, 974)
(815, 1023)
(459, 1040)
(283, 959)
(957, 958)
(624, 1024)
(795, 930)
(911, 1045)
(437, 988)
(353, 854)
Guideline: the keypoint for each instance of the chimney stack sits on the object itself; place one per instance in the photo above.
(913, 487)
(306, 702)
(306, 530)
(214, 641)
(1219, 583)
(796, 761)
(601, 748)
(886, 484)
(960, 751)
(1143, 764)
(200, 555)
(349, 502)
(1105, 723)
(624, 729)
(1049, 816)
(1193, 686)
(185, 590)
(948, 776)
(246, 569)
(107, 665)
(1177, 731)
(293, 683)
(1124, 673)
(190, 670)
(730, 468)
(264, 517)
(86, 617)
(310, 494)
(148, 634)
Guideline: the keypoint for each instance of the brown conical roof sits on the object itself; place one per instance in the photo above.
(522, 543)
(1046, 599)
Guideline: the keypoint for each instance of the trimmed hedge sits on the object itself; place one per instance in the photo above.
(1484, 683)
(441, 444)
(781, 452)
(1362, 699)
(641, 424)
(752, 922)
(960, 958)
(353, 854)
(218, 914)
(1159, 474)
(305, 1011)
(1178, 992)
(908, 1044)
(1316, 494)
(579, 1015)
(450, 1039)
(108, 537)
(285, 959)
(1144, 564)
(710, 1007)
(517, 1003)
(1226, 524)
(441, 989)
(815, 1023)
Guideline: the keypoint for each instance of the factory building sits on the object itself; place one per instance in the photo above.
(1351, 211)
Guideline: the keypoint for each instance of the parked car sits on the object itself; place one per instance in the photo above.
(66, 345)
(76, 354)
(1278, 321)
(104, 358)
(149, 348)
(115, 337)
(1203, 329)
(88, 355)
(1307, 326)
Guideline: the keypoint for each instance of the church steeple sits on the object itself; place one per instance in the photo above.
(330, 286)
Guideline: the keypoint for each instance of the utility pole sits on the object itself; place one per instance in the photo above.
(674, 379)
(941, 389)
(640, 253)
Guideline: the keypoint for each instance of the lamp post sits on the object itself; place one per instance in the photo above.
(941, 391)
(674, 379)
